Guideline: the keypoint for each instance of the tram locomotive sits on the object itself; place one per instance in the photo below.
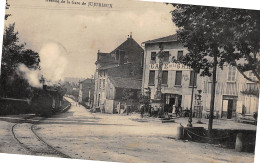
(42, 102)
(47, 101)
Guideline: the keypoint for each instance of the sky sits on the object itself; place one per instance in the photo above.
(83, 30)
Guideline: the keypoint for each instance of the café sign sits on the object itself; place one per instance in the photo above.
(170, 66)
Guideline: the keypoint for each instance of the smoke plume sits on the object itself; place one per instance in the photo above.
(31, 75)
(53, 62)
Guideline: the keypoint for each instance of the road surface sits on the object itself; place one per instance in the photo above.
(121, 138)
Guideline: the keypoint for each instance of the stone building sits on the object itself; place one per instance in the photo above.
(177, 82)
(114, 70)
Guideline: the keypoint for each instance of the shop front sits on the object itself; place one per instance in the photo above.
(173, 100)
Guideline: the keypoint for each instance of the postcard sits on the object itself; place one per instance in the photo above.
(129, 81)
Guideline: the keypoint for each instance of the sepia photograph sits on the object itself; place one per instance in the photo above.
(129, 81)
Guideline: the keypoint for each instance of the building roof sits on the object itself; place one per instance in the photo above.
(105, 59)
(127, 70)
(130, 47)
(129, 83)
(130, 43)
(170, 38)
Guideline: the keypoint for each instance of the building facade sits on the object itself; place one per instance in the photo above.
(86, 92)
(177, 80)
(121, 65)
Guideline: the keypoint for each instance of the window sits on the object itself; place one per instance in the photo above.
(153, 56)
(231, 73)
(178, 77)
(103, 83)
(192, 79)
(100, 83)
(166, 56)
(151, 77)
(251, 87)
(179, 55)
(165, 77)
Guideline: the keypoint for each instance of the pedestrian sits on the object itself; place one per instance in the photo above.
(142, 111)
(166, 110)
(155, 111)
(177, 112)
(160, 111)
(150, 110)
(180, 110)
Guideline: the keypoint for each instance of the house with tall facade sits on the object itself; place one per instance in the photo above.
(117, 72)
(177, 80)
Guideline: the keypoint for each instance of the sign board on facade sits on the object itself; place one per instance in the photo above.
(170, 66)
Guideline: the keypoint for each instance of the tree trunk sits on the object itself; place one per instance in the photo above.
(212, 100)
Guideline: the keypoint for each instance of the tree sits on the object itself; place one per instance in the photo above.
(242, 42)
(13, 54)
(217, 36)
(236, 31)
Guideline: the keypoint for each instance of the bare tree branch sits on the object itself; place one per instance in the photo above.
(246, 77)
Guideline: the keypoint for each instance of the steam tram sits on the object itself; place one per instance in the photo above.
(47, 101)
(43, 101)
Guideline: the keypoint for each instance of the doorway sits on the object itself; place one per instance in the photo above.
(229, 109)
(173, 100)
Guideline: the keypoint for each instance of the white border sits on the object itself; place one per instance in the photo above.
(248, 4)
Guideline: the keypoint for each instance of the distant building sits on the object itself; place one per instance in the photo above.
(114, 71)
(86, 92)
(177, 81)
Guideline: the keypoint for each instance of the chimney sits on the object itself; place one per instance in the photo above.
(98, 54)
(130, 34)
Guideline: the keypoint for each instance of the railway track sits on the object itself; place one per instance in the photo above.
(25, 135)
